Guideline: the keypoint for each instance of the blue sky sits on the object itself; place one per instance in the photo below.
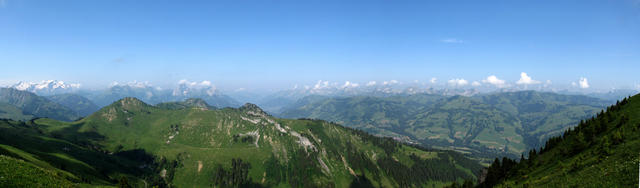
(277, 44)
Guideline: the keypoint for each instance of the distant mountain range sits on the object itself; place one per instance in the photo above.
(276, 102)
(47, 87)
(154, 95)
(142, 90)
(506, 123)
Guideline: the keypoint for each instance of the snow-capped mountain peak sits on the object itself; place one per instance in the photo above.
(46, 87)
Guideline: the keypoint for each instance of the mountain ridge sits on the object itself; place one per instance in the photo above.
(202, 147)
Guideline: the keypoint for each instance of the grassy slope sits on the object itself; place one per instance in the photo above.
(76, 163)
(18, 173)
(201, 139)
(603, 163)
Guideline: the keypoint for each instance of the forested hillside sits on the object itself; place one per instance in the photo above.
(602, 151)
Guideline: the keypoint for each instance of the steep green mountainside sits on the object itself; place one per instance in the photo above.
(32, 105)
(602, 151)
(197, 147)
(487, 126)
(188, 103)
(77, 103)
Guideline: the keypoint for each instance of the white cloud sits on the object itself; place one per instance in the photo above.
(137, 84)
(584, 84)
(391, 82)
(371, 83)
(205, 83)
(547, 83)
(476, 83)
(349, 84)
(452, 41)
(321, 84)
(493, 80)
(526, 79)
(458, 82)
(433, 80)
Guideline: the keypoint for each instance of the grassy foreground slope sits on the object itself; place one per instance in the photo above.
(603, 151)
(18, 173)
(77, 163)
(199, 147)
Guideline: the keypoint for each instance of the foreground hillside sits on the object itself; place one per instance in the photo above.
(195, 146)
(603, 151)
(490, 125)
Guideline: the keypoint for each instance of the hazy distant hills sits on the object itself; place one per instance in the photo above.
(155, 95)
(601, 152)
(23, 105)
(77, 103)
(141, 90)
(139, 144)
(506, 122)
(278, 102)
